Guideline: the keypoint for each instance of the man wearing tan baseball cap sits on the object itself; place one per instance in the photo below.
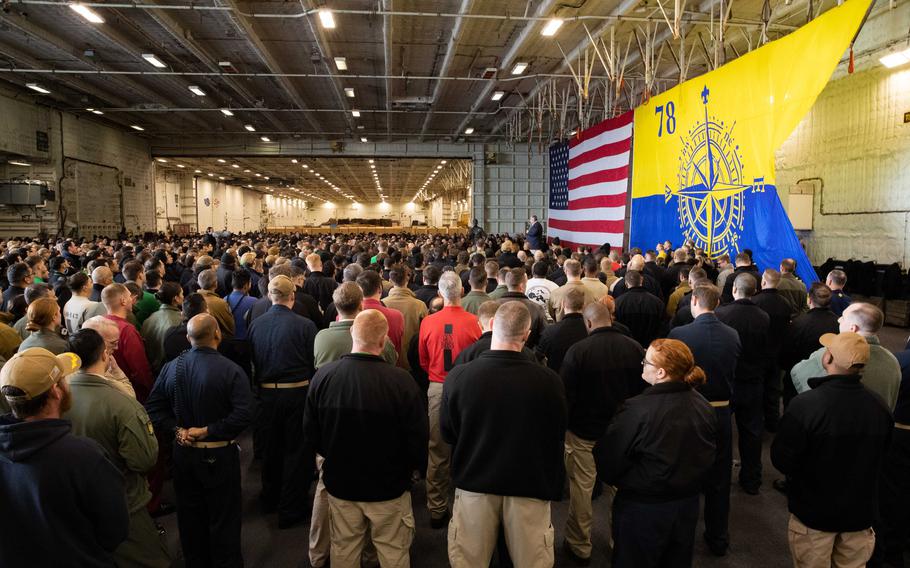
(831, 445)
(42, 462)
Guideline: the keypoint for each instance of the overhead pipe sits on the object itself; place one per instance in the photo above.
(737, 22)
(465, 8)
(544, 8)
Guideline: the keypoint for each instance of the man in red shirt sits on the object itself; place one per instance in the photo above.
(443, 335)
(130, 353)
(371, 283)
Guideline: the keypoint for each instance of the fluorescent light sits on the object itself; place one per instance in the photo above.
(222, 161)
(306, 167)
(18, 163)
(196, 90)
(293, 160)
(234, 166)
(226, 112)
(162, 160)
(896, 59)
(519, 68)
(341, 63)
(349, 91)
(211, 174)
(363, 138)
(136, 127)
(371, 161)
(153, 60)
(87, 13)
(442, 162)
(246, 171)
(265, 138)
(37, 87)
(327, 19)
(497, 95)
(197, 171)
(553, 24)
(181, 166)
(94, 111)
(356, 113)
(249, 127)
(469, 130)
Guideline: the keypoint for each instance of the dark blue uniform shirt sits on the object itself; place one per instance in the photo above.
(216, 393)
(282, 343)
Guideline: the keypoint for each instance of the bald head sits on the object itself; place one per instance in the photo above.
(369, 332)
(597, 315)
(105, 327)
(102, 276)
(511, 326)
(202, 331)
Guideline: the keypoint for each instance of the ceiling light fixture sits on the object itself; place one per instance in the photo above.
(87, 13)
(519, 68)
(893, 60)
(234, 166)
(341, 63)
(249, 127)
(153, 60)
(293, 160)
(18, 163)
(226, 112)
(469, 130)
(349, 91)
(37, 87)
(136, 127)
(162, 160)
(355, 113)
(553, 24)
(196, 90)
(265, 138)
(181, 166)
(197, 171)
(222, 161)
(327, 19)
(497, 95)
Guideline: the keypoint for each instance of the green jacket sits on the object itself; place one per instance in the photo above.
(155, 328)
(121, 426)
(145, 307)
(882, 374)
(498, 292)
(473, 299)
(336, 341)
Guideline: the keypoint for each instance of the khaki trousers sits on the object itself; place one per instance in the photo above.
(321, 528)
(817, 549)
(390, 524)
(438, 476)
(475, 525)
(582, 475)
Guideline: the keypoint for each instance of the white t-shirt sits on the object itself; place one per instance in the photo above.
(538, 291)
(75, 310)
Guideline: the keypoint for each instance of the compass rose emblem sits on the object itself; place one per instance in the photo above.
(710, 189)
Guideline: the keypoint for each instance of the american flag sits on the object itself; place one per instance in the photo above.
(589, 178)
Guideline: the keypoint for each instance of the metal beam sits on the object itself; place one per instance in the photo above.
(619, 11)
(465, 8)
(243, 25)
(542, 10)
(184, 38)
(387, 58)
(325, 51)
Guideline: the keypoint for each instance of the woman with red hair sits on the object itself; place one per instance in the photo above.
(658, 452)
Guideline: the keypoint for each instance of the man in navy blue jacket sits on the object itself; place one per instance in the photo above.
(716, 348)
(83, 514)
(535, 233)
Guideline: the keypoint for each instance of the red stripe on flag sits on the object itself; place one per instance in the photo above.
(603, 176)
(618, 200)
(587, 226)
(574, 245)
(598, 129)
(604, 151)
